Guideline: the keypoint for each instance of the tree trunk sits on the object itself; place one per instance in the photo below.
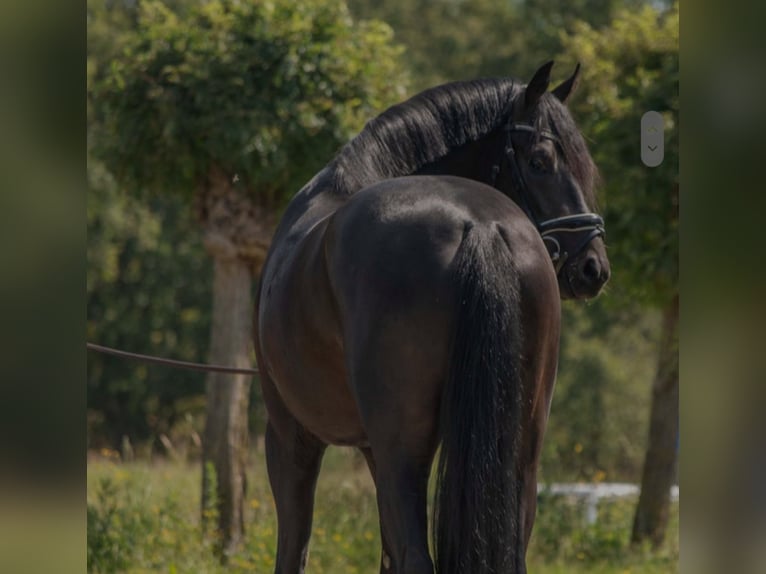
(226, 429)
(237, 234)
(659, 472)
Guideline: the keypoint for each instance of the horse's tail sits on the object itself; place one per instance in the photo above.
(477, 519)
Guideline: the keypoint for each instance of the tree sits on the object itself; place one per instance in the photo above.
(631, 67)
(450, 40)
(233, 105)
(547, 22)
(143, 292)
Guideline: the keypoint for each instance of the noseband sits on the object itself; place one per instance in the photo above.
(564, 236)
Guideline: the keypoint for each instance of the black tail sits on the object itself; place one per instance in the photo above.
(476, 514)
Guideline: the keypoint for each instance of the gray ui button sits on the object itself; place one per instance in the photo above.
(652, 139)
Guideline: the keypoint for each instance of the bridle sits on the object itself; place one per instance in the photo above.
(579, 229)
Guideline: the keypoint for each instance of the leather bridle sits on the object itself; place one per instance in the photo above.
(564, 236)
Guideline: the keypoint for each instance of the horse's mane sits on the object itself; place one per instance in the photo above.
(425, 128)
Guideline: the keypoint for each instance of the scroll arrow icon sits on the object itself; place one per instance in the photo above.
(652, 138)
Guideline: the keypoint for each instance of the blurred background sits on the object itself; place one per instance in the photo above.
(182, 95)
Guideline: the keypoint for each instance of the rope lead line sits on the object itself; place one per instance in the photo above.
(170, 362)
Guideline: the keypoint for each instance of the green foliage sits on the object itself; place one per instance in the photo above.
(107, 546)
(631, 67)
(148, 291)
(210, 495)
(266, 91)
(146, 518)
(597, 427)
(546, 22)
(131, 524)
(460, 39)
(451, 40)
(562, 536)
(108, 25)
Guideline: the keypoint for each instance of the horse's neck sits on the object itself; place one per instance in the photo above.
(320, 198)
(473, 160)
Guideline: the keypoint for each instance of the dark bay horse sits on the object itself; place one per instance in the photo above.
(411, 299)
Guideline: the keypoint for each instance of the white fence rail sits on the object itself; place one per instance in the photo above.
(593, 493)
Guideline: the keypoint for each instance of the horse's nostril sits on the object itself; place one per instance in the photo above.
(591, 270)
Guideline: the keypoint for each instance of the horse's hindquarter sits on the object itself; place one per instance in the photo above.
(390, 250)
(390, 258)
(298, 338)
(355, 327)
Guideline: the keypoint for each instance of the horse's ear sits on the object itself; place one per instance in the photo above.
(565, 89)
(538, 85)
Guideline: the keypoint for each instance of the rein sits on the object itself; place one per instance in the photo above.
(171, 362)
(591, 225)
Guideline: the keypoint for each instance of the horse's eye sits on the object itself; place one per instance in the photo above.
(537, 165)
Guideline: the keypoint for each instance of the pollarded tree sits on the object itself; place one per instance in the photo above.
(233, 105)
(629, 68)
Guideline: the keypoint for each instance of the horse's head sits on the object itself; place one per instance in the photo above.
(548, 171)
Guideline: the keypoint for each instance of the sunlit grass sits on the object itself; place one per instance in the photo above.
(146, 518)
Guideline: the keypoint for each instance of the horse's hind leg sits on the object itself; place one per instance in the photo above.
(402, 439)
(385, 558)
(402, 500)
(397, 385)
(293, 457)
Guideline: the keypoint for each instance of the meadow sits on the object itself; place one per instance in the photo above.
(146, 517)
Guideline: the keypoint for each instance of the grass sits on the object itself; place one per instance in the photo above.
(145, 518)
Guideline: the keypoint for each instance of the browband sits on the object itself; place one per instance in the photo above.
(513, 127)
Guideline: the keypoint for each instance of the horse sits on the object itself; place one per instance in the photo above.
(410, 301)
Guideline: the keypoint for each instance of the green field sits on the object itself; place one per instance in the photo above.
(145, 517)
